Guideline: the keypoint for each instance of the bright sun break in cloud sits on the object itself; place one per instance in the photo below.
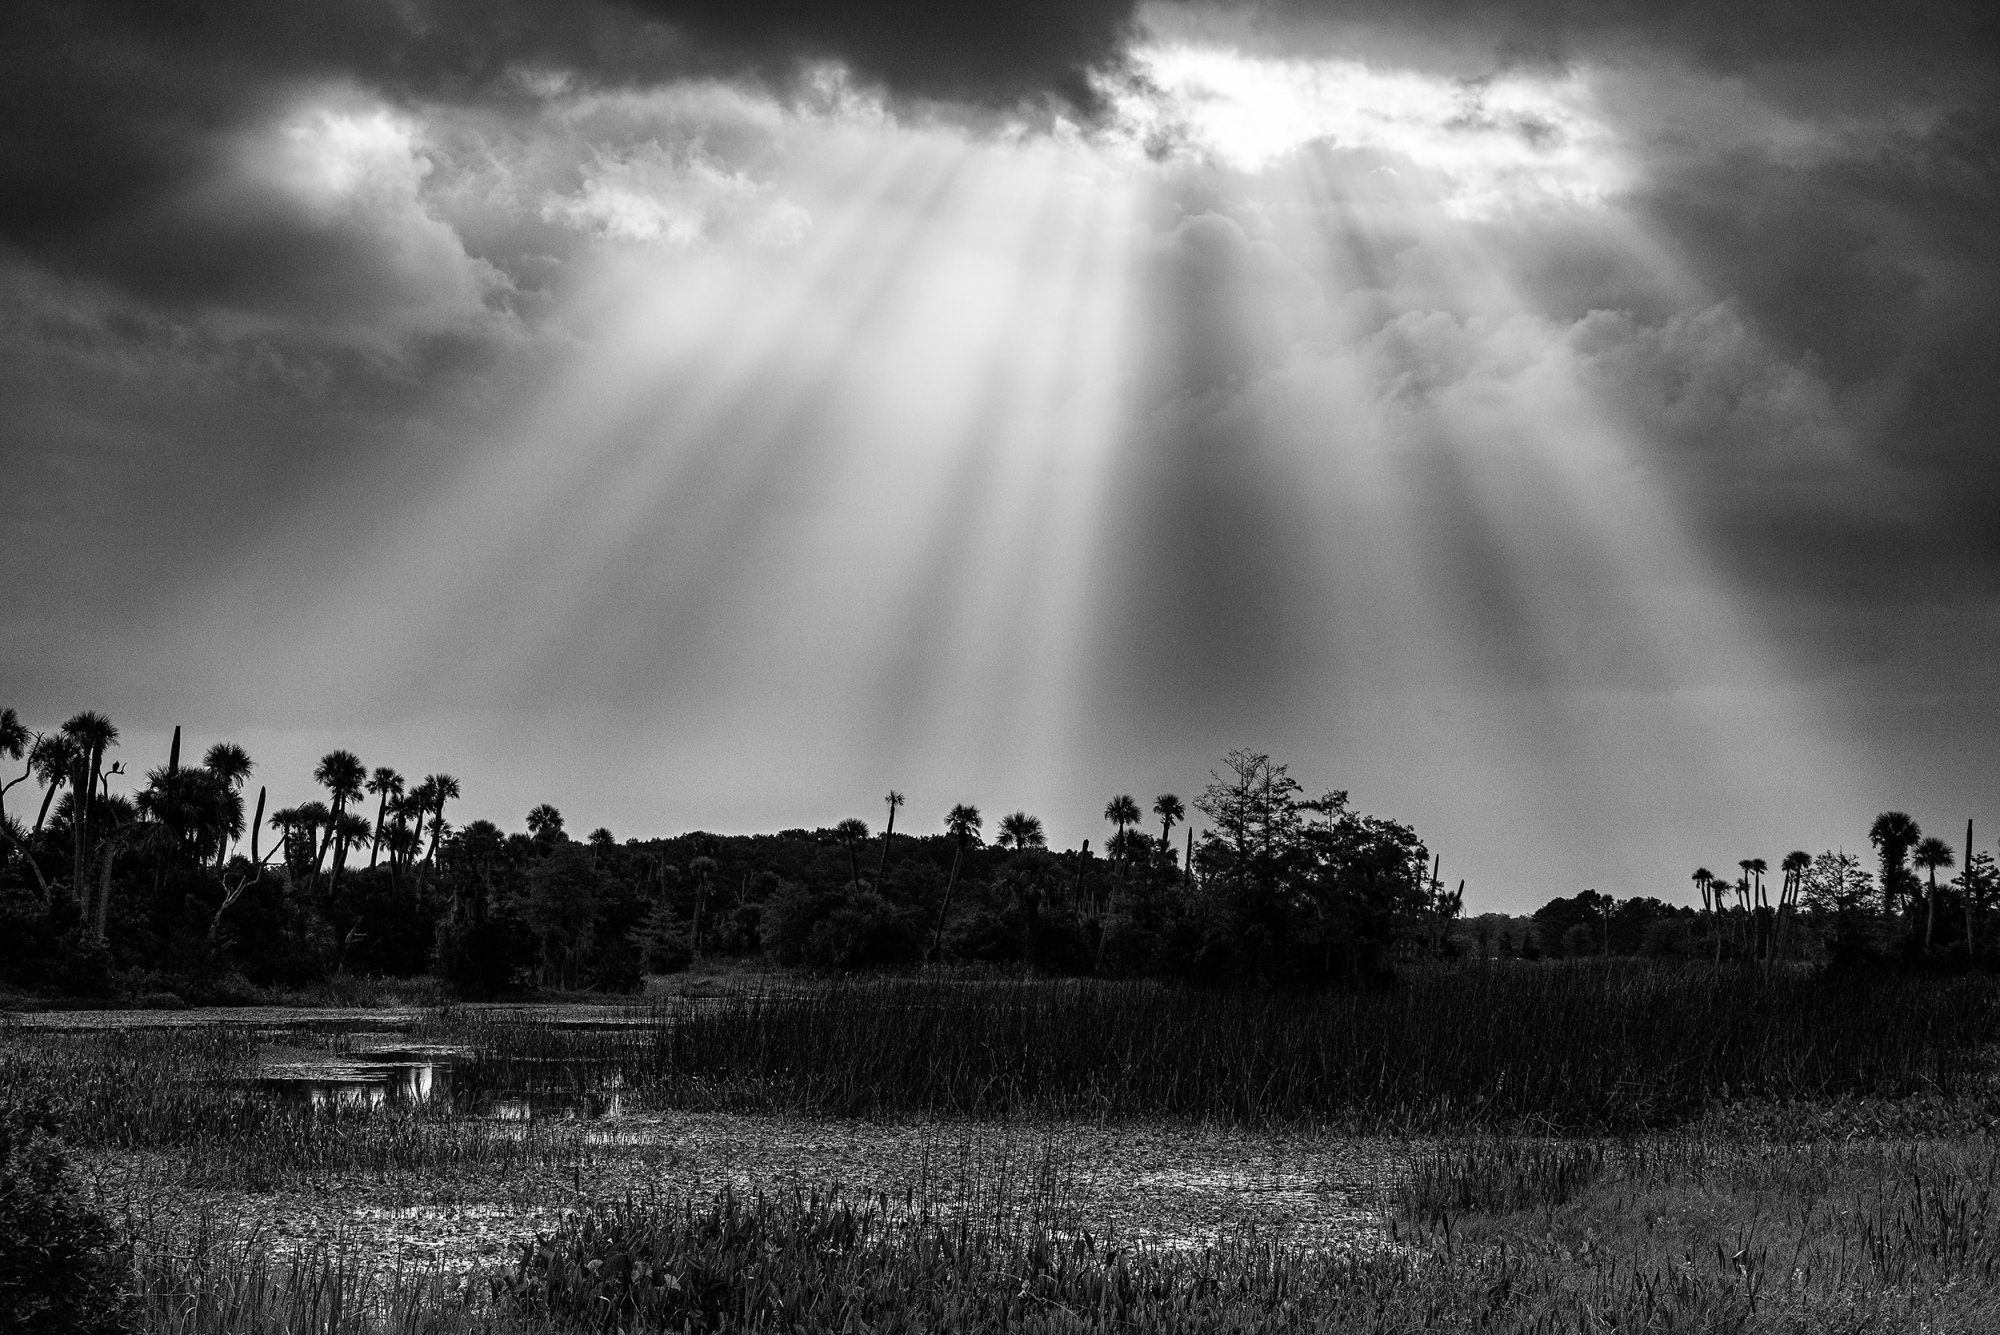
(1485, 145)
(1566, 433)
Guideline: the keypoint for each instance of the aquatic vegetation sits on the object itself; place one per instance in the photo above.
(1575, 1048)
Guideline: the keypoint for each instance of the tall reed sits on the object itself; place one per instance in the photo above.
(1552, 1049)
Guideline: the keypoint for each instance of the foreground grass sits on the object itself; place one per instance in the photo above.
(1495, 1236)
(1760, 1223)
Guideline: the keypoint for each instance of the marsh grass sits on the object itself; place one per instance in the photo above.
(1558, 1050)
(1645, 1236)
(192, 1091)
(1596, 1220)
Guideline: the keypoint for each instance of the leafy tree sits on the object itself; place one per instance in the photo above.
(563, 892)
(1257, 814)
(1839, 887)
(1979, 884)
(1298, 901)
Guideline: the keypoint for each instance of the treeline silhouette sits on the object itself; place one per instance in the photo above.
(1828, 908)
(190, 886)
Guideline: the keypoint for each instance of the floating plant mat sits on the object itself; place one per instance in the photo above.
(1163, 1184)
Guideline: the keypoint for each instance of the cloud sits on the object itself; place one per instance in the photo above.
(653, 194)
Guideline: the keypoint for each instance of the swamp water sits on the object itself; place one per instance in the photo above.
(593, 1141)
(377, 1076)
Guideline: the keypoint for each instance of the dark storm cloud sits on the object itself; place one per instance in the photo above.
(122, 125)
(1720, 32)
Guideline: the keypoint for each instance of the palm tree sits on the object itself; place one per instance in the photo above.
(1022, 831)
(228, 762)
(1794, 866)
(1754, 869)
(121, 821)
(344, 778)
(385, 784)
(1894, 834)
(1169, 809)
(1121, 812)
(15, 740)
(894, 799)
(53, 759)
(349, 828)
(443, 788)
(197, 811)
(1932, 853)
(963, 825)
(231, 765)
(1702, 879)
(545, 823)
(92, 734)
(309, 819)
(852, 832)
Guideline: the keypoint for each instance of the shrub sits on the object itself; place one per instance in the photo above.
(61, 1269)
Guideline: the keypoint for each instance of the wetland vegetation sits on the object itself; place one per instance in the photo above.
(1268, 1080)
(1806, 1154)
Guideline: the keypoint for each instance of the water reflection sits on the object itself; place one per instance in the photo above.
(381, 1077)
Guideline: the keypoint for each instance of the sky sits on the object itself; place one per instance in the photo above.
(1570, 429)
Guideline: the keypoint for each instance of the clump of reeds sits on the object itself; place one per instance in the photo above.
(199, 1283)
(1447, 1179)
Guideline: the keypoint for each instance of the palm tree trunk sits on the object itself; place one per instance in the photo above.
(1930, 910)
(104, 886)
(80, 787)
(1967, 877)
(375, 844)
(41, 817)
(883, 870)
